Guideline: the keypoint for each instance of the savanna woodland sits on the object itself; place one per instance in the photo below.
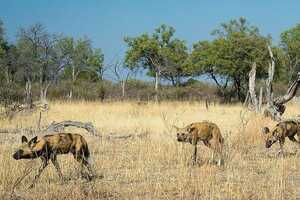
(41, 65)
(51, 82)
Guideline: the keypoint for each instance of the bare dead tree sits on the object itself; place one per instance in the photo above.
(122, 75)
(275, 107)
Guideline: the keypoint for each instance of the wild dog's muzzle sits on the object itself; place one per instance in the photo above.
(18, 154)
(181, 137)
(269, 144)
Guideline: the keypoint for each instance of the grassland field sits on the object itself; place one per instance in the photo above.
(155, 165)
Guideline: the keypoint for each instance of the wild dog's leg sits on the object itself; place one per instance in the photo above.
(56, 165)
(206, 143)
(194, 159)
(298, 135)
(281, 142)
(83, 162)
(293, 139)
(88, 165)
(41, 169)
(79, 159)
(219, 149)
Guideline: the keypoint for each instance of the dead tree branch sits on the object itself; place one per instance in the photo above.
(269, 81)
(60, 126)
(57, 127)
(276, 107)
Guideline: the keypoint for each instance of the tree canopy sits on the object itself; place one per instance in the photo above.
(45, 59)
(290, 43)
(228, 58)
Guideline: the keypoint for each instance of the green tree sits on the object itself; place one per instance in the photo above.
(3, 50)
(159, 53)
(95, 63)
(82, 61)
(176, 56)
(228, 58)
(290, 43)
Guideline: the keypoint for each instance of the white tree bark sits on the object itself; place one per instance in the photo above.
(252, 76)
(271, 70)
(157, 82)
(28, 100)
(260, 99)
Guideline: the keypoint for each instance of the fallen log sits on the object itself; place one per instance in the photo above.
(29, 131)
(125, 137)
(57, 127)
(60, 126)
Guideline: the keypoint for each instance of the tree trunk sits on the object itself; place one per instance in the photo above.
(70, 96)
(157, 81)
(260, 99)
(252, 75)
(28, 100)
(43, 93)
(123, 84)
(72, 83)
(7, 75)
(271, 70)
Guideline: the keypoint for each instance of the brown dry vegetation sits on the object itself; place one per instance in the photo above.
(156, 166)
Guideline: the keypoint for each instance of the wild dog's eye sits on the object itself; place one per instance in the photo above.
(31, 145)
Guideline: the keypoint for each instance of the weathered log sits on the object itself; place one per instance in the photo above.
(57, 127)
(29, 131)
(54, 127)
(127, 136)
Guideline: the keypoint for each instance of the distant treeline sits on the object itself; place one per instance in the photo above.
(40, 65)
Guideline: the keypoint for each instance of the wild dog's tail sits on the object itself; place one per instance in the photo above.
(221, 140)
(218, 131)
(85, 150)
(87, 154)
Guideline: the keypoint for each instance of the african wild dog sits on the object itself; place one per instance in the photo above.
(49, 146)
(205, 131)
(288, 128)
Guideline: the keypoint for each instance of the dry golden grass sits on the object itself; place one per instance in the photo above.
(156, 167)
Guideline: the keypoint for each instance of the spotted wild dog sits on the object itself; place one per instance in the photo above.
(49, 146)
(288, 128)
(205, 131)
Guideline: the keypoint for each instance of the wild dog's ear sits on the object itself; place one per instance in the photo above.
(176, 128)
(24, 139)
(265, 130)
(33, 140)
(190, 129)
